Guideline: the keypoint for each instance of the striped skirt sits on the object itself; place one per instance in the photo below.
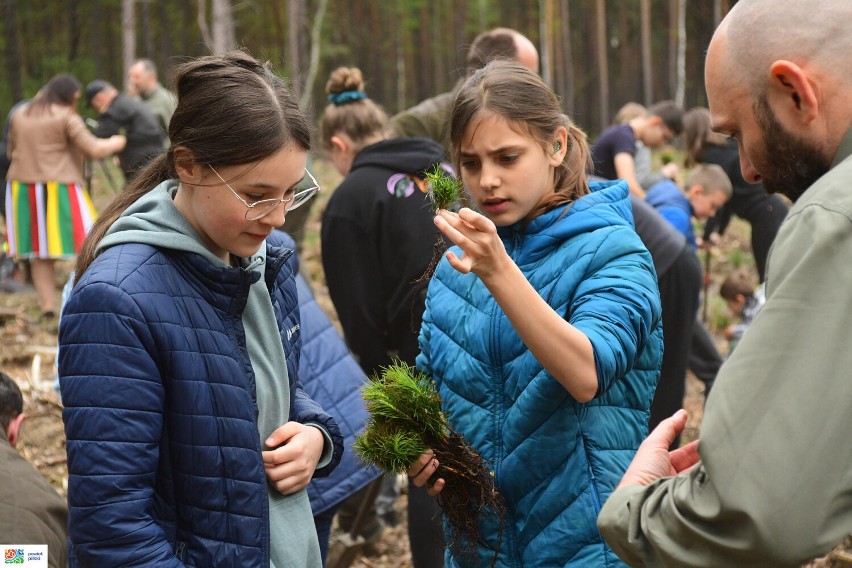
(47, 220)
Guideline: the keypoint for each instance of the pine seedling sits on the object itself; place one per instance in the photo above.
(444, 191)
(405, 420)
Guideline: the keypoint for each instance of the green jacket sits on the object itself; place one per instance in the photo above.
(162, 105)
(774, 484)
(31, 511)
(428, 119)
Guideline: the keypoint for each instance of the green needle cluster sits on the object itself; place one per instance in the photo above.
(405, 418)
(445, 190)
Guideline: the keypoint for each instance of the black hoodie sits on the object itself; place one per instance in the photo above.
(378, 239)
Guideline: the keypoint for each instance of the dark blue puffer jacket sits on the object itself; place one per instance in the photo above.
(333, 378)
(160, 412)
(555, 460)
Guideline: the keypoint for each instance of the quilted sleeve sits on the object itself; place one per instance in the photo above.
(617, 305)
(113, 396)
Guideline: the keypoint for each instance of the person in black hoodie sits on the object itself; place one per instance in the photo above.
(378, 238)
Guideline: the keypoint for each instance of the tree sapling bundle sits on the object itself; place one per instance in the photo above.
(405, 420)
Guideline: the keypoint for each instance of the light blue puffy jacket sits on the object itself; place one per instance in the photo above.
(555, 460)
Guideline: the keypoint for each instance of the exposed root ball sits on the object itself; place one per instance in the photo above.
(405, 420)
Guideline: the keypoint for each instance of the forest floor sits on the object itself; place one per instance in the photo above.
(28, 348)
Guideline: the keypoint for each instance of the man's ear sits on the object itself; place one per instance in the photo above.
(794, 96)
(696, 189)
(188, 170)
(14, 429)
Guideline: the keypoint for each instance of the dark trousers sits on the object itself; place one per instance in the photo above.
(704, 358)
(425, 529)
(679, 287)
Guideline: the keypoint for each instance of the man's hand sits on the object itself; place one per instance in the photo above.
(653, 459)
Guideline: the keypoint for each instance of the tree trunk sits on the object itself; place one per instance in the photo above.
(672, 36)
(567, 67)
(647, 70)
(293, 17)
(73, 31)
(224, 37)
(680, 92)
(316, 37)
(165, 37)
(13, 53)
(128, 35)
(545, 27)
(399, 42)
(203, 27)
(147, 38)
(603, 67)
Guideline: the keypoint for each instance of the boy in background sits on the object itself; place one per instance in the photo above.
(744, 301)
(707, 189)
(614, 152)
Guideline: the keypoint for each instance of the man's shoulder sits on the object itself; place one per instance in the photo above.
(432, 104)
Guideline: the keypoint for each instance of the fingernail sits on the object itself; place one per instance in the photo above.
(270, 442)
(679, 414)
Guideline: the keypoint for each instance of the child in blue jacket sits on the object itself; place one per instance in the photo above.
(707, 190)
(542, 326)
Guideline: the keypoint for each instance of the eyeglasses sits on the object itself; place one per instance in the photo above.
(293, 198)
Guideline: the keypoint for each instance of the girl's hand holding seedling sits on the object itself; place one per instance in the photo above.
(423, 469)
(484, 253)
(297, 451)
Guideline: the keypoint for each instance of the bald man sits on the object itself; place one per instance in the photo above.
(142, 77)
(771, 482)
(431, 118)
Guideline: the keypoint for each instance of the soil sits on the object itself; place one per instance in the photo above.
(28, 348)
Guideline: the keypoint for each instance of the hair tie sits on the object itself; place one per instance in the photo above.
(338, 99)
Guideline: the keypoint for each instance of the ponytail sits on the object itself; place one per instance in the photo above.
(159, 170)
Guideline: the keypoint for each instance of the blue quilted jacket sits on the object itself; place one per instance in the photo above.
(555, 460)
(160, 412)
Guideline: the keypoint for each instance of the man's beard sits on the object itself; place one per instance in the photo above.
(791, 165)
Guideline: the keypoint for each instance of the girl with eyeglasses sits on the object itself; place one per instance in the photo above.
(190, 440)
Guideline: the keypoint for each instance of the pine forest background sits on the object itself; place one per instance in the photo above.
(597, 54)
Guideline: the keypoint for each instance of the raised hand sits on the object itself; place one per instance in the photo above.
(484, 253)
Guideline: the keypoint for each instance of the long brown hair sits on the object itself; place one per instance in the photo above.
(60, 90)
(519, 95)
(698, 134)
(231, 110)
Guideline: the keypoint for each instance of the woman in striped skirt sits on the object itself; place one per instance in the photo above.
(48, 210)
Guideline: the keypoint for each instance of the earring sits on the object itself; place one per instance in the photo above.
(557, 146)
